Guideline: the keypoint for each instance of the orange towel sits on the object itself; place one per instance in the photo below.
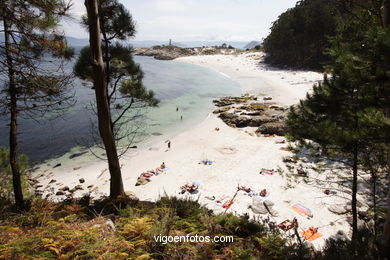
(227, 204)
(311, 234)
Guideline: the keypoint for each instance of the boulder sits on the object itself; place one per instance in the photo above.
(221, 110)
(337, 209)
(60, 193)
(64, 188)
(78, 187)
(277, 128)
(57, 165)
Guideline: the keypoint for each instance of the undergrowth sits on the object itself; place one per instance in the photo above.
(125, 229)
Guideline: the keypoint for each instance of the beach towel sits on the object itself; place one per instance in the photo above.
(227, 204)
(197, 183)
(302, 210)
(311, 234)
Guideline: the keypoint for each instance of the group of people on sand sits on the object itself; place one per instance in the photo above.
(190, 188)
(145, 176)
(250, 192)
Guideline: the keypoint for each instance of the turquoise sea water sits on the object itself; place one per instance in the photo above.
(188, 87)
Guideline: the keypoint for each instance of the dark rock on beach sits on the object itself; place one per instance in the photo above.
(277, 128)
(76, 155)
(247, 111)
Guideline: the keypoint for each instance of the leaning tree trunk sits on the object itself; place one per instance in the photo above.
(386, 231)
(103, 109)
(13, 133)
(354, 191)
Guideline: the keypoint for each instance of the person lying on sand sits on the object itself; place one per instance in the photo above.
(263, 193)
(267, 171)
(206, 162)
(243, 188)
(146, 175)
(330, 192)
(142, 181)
(188, 187)
(286, 225)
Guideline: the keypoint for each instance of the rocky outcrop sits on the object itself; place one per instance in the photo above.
(247, 111)
(171, 52)
(277, 128)
(164, 52)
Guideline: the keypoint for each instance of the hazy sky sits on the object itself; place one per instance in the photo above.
(198, 20)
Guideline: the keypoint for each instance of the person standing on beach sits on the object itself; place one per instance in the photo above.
(169, 144)
(177, 109)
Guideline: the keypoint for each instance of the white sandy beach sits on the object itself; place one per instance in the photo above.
(237, 155)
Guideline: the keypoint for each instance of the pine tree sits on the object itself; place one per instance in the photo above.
(30, 31)
(345, 114)
(122, 89)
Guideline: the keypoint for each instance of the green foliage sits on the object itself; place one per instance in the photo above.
(127, 96)
(117, 20)
(348, 108)
(299, 37)
(6, 188)
(69, 231)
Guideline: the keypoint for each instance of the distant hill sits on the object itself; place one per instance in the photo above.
(80, 42)
(252, 44)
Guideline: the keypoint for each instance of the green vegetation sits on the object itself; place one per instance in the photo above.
(6, 188)
(125, 229)
(345, 117)
(30, 31)
(299, 37)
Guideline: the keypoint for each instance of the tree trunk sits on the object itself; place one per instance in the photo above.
(354, 191)
(103, 109)
(13, 133)
(386, 231)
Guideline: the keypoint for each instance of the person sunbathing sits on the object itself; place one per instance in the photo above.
(146, 174)
(263, 193)
(159, 170)
(188, 187)
(162, 166)
(267, 171)
(330, 192)
(243, 188)
(286, 225)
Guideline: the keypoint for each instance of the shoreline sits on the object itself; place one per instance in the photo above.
(237, 155)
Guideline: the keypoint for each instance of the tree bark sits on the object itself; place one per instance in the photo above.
(103, 109)
(354, 191)
(386, 231)
(13, 133)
